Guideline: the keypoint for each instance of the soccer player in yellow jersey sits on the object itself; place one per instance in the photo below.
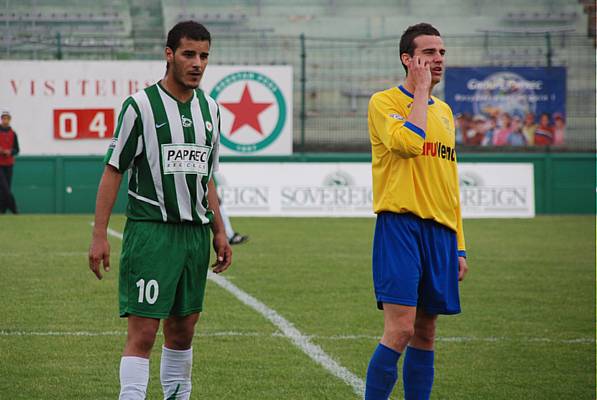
(418, 250)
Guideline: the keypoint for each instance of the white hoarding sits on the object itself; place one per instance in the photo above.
(344, 189)
(70, 107)
(497, 190)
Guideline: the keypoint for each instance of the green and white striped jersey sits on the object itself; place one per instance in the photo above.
(171, 149)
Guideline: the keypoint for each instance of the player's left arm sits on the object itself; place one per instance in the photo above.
(220, 241)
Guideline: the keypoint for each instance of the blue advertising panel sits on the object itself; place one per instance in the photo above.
(508, 106)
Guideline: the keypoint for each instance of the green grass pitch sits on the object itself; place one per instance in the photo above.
(527, 330)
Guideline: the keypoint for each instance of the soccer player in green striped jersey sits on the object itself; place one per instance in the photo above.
(167, 138)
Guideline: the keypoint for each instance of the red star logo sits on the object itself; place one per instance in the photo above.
(246, 112)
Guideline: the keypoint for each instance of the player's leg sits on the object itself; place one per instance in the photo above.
(438, 294)
(177, 356)
(179, 328)
(418, 369)
(396, 274)
(134, 364)
(382, 372)
(150, 265)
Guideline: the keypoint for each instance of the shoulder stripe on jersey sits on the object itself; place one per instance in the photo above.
(152, 148)
(181, 191)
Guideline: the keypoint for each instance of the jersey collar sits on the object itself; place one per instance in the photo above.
(163, 89)
(409, 94)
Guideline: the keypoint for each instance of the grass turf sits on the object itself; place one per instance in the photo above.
(527, 330)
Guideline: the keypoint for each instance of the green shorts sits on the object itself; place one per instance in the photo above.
(163, 269)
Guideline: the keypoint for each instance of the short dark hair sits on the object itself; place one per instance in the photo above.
(407, 41)
(187, 29)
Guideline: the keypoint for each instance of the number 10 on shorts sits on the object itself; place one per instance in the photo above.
(149, 292)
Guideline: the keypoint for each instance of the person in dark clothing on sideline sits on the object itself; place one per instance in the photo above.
(9, 148)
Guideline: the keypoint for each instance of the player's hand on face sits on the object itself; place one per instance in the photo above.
(462, 268)
(99, 252)
(421, 72)
(223, 253)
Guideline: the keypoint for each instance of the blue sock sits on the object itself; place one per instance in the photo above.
(382, 373)
(417, 373)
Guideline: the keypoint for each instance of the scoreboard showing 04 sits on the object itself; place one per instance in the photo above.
(73, 124)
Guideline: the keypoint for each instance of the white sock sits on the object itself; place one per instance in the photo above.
(134, 375)
(175, 373)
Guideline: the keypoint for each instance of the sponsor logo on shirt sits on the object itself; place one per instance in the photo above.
(397, 116)
(186, 122)
(208, 126)
(185, 159)
(439, 150)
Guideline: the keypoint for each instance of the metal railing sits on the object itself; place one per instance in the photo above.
(333, 78)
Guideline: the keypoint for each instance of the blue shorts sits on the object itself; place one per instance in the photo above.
(415, 263)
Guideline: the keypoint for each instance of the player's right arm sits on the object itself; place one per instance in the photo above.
(403, 131)
(99, 250)
(125, 146)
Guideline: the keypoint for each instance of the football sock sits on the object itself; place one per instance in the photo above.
(134, 375)
(382, 373)
(175, 373)
(227, 224)
(417, 374)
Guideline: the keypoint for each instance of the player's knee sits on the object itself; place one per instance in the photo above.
(181, 338)
(425, 333)
(143, 339)
(398, 337)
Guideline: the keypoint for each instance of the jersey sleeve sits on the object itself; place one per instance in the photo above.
(389, 124)
(215, 151)
(126, 143)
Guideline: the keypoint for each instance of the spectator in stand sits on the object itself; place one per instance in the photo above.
(505, 127)
(463, 123)
(516, 137)
(529, 128)
(476, 135)
(544, 132)
(559, 125)
(490, 132)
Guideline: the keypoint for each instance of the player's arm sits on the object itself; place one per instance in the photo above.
(123, 149)
(389, 124)
(462, 264)
(404, 136)
(99, 250)
(220, 241)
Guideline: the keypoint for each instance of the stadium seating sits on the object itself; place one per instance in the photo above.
(350, 45)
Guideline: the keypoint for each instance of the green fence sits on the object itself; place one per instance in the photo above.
(564, 182)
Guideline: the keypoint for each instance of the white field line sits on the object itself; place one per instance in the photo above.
(300, 340)
(50, 253)
(447, 339)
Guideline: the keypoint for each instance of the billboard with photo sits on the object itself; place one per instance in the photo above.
(508, 106)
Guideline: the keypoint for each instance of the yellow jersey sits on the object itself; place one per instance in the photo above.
(414, 169)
